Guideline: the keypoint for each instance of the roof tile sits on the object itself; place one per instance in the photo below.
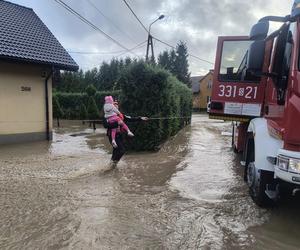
(23, 36)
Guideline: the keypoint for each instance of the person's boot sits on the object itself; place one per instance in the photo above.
(113, 164)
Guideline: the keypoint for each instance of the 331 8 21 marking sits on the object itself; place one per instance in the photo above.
(247, 92)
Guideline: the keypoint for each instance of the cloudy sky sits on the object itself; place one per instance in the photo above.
(196, 22)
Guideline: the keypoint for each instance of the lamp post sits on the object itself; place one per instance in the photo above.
(150, 41)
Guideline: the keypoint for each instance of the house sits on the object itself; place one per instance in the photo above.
(201, 88)
(205, 90)
(196, 92)
(29, 55)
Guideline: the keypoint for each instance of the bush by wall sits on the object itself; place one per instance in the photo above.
(71, 103)
(151, 91)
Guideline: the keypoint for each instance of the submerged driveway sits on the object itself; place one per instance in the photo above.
(189, 195)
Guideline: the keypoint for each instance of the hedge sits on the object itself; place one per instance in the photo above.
(153, 92)
(71, 103)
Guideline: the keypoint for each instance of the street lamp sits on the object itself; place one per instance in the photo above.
(150, 41)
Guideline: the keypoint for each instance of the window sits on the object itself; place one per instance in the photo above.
(209, 84)
(282, 58)
(233, 62)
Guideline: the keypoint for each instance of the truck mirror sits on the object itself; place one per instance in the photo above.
(256, 54)
(259, 31)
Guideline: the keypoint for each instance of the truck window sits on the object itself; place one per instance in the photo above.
(233, 62)
(282, 58)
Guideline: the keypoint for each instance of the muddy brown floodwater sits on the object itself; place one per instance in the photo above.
(189, 195)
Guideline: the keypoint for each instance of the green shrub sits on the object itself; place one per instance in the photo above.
(91, 90)
(92, 109)
(57, 110)
(71, 103)
(83, 114)
(151, 91)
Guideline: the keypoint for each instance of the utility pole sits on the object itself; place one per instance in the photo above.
(150, 41)
(150, 44)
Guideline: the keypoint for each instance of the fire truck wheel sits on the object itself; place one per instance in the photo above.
(257, 182)
(248, 155)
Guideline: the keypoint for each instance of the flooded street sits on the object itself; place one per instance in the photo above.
(189, 195)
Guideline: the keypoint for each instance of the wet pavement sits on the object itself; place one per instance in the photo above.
(189, 195)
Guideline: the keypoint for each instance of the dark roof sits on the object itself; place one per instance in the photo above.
(24, 37)
(196, 83)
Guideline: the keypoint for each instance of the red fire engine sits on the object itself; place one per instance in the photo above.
(257, 85)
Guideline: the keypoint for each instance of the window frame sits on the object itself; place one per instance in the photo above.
(220, 66)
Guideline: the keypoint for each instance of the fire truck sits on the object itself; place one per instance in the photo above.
(256, 85)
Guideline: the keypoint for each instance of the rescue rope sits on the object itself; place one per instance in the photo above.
(168, 118)
(54, 119)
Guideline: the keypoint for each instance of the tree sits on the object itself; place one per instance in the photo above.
(71, 82)
(128, 61)
(57, 110)
(164, 60)
(91, 77)
(104, 79)
(182, 65)
(172, 62)
(176, 61)
(91, 90)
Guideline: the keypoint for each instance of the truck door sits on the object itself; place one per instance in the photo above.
(236, 93)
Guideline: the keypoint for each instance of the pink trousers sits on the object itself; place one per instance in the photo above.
(122, 124)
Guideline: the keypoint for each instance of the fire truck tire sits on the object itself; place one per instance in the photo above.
(248, 154)
(257, 181)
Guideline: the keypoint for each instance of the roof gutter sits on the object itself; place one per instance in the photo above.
(48, 136)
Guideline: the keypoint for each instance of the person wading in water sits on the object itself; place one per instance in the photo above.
(118, 146)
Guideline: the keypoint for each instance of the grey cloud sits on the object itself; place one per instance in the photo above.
(197, 22)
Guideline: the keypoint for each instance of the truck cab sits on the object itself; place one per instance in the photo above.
(257, 85)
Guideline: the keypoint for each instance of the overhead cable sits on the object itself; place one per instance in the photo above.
(136, 47)
(106, 17)
(173, 47)
(67, 7)
(105, 52)
(95, 53)
(135, 15)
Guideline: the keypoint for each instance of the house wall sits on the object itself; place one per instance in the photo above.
(205, 90)
(23, 113)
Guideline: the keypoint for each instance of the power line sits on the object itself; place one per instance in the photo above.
(106, 17)
(67, 7)
(96, 53)
(136, 47)
(135, 15)
(203, 60)
(188, 54)
(105, 52)
(173, 47)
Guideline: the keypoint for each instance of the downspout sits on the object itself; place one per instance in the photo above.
(47, 104)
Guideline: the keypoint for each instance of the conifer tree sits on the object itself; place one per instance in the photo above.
(164, 60)
(181, 64)
(172, 59)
